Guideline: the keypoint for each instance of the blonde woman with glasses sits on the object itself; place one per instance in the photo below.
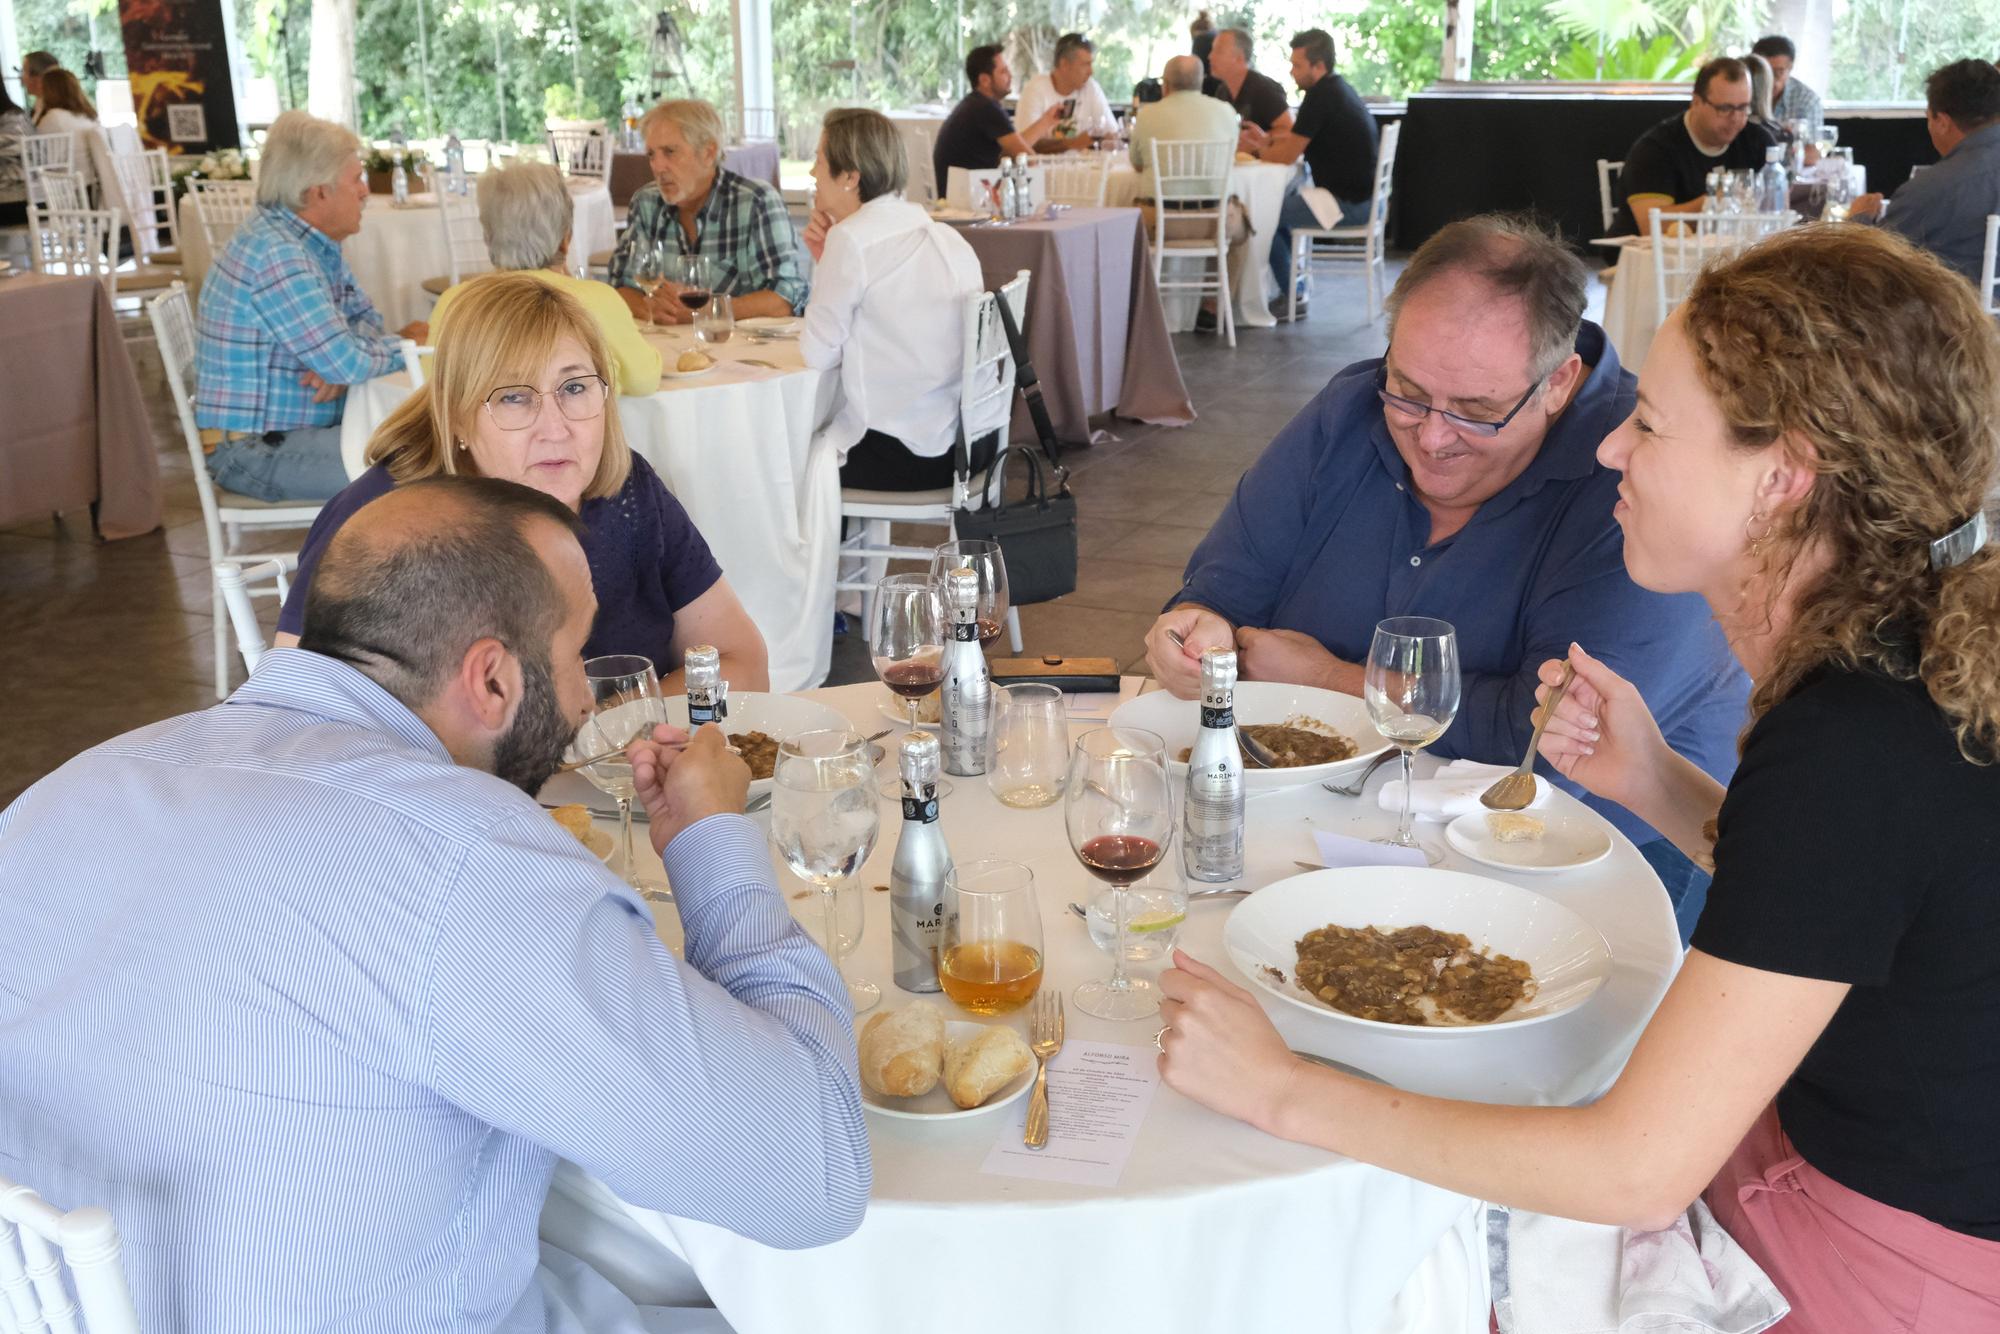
(520, 389)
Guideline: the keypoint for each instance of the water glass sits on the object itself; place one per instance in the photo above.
(1155, 909)
(626, 689)
(990, 944)
(715, 322)
(1030, 746)
(824, 823)
(1411, 688)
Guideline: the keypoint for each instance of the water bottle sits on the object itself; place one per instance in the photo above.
(399, 182)
(919, 874)
(966, 719)
(454, 165)
(707, 692)
(1212, 801)
(1774, 187)
(1024, 189)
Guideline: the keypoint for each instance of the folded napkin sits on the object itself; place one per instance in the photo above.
(1454, 790)
(1341, 850)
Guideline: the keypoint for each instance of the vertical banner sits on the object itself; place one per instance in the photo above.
(178, 60)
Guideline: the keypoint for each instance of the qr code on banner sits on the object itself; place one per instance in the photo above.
(187, 123)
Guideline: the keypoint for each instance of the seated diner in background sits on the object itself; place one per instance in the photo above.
(1255, 96)
(526, 212)
(283, 328)
(1666, 169)
(311, 995)
(1944, 207)
(1493, 514)
(1082, 112)
(64, 108)
(1184, 113)
(520, 390)
(1791, 99)
(1814, 441)
(979, 132)
(696, 206)
(888, 308)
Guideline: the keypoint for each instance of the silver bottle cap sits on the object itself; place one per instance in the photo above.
(1218, 669)
(961, 590)
(918, 758)
(702, 666)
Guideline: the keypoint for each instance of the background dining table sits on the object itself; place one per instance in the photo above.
(1211, 1225)
(76, 434)
(736, 446)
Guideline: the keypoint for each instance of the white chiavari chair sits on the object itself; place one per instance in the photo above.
(149, 207)
(1606, 205)
(581, 153)
(221, 207)
(1686, 243)
(240, 580)
(1990, 266)
(1075, 179)
(464, 241)
(38, 1244)
(1190, 191)
(1365, 243)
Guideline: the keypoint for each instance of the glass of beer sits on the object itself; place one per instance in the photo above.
(990, 948)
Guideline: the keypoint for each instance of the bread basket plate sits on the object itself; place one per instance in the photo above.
(1569, 839)
(1177, 721)
(937, 1104)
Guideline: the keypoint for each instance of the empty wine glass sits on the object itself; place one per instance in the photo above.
(1411, 688)
(629, 706)
(906, 631)
(716, 322)
(1119, 810)
(649, 271)
(991, 565)
(1030, 746)
(824, 822)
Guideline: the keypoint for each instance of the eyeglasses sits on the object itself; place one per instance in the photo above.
(514, 407)
(1730, 108)
(1416, 411)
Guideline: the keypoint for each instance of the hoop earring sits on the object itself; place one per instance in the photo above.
(1757, 540)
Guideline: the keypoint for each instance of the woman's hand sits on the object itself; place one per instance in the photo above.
(1602, 736)
(817, 227)
(1220, 1048)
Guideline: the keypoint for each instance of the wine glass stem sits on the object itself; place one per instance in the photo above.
(911, 705)
(830, 906)
(625, 839)
(1118, 981)
(1404, 834)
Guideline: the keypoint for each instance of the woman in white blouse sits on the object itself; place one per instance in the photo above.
(63, 106)
(887, 308)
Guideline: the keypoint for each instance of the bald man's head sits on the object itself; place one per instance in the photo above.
(1183, 74)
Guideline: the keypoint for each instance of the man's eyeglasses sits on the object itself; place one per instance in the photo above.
(514, 407)
(1416, 412)
(1730, 108)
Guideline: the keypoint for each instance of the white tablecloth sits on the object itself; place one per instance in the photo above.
(397, 248)
(736, 447)
(1261, 187)
(1213, 1225)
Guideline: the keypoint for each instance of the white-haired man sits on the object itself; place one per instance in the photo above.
(283, 327)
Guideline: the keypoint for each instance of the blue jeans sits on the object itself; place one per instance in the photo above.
(1296, 213)
(1687, 884)
(304, 465)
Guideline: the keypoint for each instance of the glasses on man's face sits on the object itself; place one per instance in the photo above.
(514, 407)
(1414, 412)
(1729, 108)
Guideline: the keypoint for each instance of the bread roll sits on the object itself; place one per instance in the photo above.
(976, 1070)
(576, 819)
(902, 1051)
(691, 360)
(1514, 826)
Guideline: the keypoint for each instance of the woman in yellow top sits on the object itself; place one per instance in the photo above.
(526, 212)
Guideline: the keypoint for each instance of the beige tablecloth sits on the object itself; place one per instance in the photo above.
(76, 432)
(1096, 332)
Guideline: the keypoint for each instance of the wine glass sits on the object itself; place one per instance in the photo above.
(629, 705)
(985, 558)
(1411, 689)
(695, 276)
(906, 640)
(824, 822)
(1119, 809)
(649, 272)
(990, 945)
(717, 321)
(1030, 747)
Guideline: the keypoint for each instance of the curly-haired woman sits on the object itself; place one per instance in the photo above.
(1816, 437)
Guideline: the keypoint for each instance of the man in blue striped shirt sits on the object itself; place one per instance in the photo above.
(308, 991)
(283, 328)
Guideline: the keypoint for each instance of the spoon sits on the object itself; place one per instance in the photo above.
(1516, 790)
(1254, 750)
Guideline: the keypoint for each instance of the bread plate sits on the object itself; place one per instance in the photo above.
(668, 372)
(937, 1104)
(896, 711)
(1570, 838)
(1568, 956)
(1177, 721)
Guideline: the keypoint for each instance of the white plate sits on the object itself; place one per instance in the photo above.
(1570, 839)
(667, 371)
(772, 324)
(1177, 720)
(937, 1104)
(898, 713)
(1569, 957)
(780, 716)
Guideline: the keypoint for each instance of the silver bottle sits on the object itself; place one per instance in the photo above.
(921, 872)
(707, 692)
(967, 717)
(1212, 803)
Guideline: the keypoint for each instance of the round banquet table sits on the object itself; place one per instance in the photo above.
(397, 248)
(1261, 186)
(1212, 1225)
(737, 448)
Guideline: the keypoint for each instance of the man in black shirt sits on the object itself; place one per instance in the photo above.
(1337, 137)
(979, 131)
(1667, 169)
(1258, 98)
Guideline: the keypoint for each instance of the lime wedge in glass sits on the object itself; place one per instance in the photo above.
(1155, 921)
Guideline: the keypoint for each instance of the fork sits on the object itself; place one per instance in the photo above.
(1045, 1032)
(1354, 789)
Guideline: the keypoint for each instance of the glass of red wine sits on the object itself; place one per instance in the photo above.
(984, 558)
(696, 281)
(906, 630)
(1119, 809)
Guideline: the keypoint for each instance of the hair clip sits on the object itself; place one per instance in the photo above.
(1961, 544)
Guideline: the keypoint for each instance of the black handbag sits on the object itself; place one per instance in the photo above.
(1037, 534)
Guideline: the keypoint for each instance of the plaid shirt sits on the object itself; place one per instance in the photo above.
(278, 302)
(742, 226)
(1798, 102)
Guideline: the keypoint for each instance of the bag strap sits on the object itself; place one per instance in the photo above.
(1031, 390)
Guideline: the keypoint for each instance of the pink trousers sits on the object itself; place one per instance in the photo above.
(1849, 1264)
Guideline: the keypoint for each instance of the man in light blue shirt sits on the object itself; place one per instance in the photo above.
(308, 991)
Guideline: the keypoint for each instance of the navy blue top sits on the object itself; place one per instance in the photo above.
(647, 561)
(1324, 536)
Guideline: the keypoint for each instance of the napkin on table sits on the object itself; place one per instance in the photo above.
(1454, 790)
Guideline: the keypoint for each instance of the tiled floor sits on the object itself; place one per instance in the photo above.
(99, 638)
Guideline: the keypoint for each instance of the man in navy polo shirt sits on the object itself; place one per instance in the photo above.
(1457, 477)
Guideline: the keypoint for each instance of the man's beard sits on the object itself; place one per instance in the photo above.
(532, 749)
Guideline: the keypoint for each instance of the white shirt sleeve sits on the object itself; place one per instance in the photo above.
(840, 280)
(1036, 98)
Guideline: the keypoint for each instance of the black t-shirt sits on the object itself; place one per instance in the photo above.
(1857, 845)
(1261, 99)
(1341, 139)
(970, 137)
(1664, 161)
